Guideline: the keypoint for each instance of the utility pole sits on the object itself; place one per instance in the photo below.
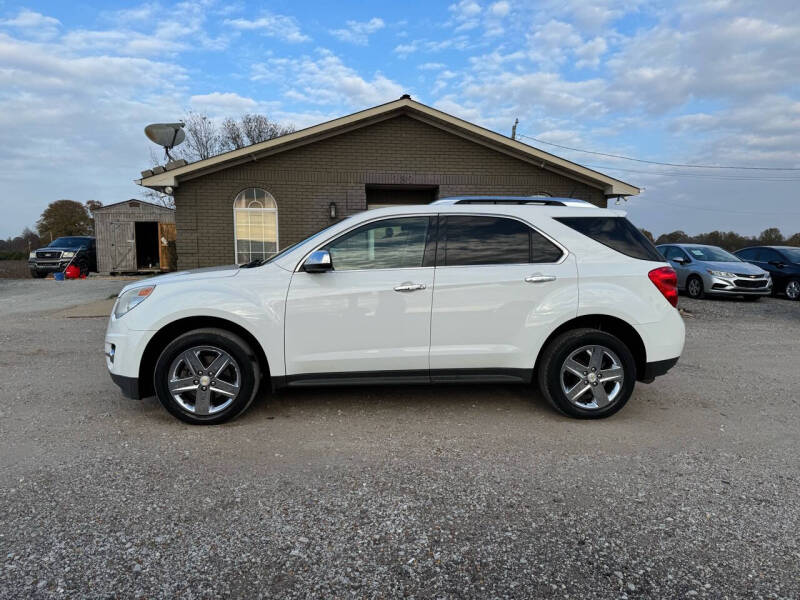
(514, 129)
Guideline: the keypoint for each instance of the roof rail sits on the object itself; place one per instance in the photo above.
(520, 200)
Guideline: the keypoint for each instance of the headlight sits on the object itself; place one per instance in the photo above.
(32, 255)
(128, 300)
(721, 274)
(67, 254)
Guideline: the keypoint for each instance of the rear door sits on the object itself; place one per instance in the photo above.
(501, 287)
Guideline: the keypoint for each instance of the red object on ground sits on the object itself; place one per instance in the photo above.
(72, 272)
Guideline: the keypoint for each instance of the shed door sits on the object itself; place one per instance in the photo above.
(123, 244)
(166, 244)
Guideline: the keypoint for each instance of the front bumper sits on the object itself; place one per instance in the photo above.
(128, 385)
(48, 266)
(123, 351)
(738, 286)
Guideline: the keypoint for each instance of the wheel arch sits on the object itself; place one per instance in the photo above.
(172, 330)
(613, 325)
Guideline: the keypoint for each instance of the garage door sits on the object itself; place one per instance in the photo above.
(378, 197)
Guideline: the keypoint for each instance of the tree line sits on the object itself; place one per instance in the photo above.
(729, 240)
(60, 218)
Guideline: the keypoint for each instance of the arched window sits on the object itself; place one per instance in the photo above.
(255, 225)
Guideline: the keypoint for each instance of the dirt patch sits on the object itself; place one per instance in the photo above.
(99, 309)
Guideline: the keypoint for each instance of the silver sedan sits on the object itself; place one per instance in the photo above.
(710, 270)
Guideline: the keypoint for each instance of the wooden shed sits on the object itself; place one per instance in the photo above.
(134, 236)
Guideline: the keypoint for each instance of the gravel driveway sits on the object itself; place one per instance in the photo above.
(426, 492)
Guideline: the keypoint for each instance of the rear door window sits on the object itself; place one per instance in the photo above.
(617, 233)
(480, 240)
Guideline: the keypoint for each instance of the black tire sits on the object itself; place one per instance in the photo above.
(39, 274)
(83, 266)
(697, 292)
(555, 355)
(237, 349)
(792, 289)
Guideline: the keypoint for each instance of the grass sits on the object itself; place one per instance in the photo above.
(14, 269)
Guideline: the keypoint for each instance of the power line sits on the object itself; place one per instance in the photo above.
(654, 162)
(705, 175)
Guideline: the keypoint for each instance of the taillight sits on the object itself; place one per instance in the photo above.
(666, 280)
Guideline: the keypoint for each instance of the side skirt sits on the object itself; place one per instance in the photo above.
(404, 377)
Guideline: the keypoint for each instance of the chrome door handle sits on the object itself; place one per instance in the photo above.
(409, 287)
(540, 278)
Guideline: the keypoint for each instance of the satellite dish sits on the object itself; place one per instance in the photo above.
(167, 135)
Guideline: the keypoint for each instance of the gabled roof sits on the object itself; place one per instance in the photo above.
(118, 205)
(403, 106)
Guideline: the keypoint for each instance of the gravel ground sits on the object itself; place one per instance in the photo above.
(423, 492)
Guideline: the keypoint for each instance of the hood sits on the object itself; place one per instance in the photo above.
(192, 275)
(734, 267)
(59, 249)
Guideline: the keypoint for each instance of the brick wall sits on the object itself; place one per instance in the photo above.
(304, 181)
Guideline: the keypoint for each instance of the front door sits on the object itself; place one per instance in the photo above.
(371, 312)
(501, 288)
(681, 268)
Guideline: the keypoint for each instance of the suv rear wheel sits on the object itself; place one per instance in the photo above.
(587, 373)
(206, 376)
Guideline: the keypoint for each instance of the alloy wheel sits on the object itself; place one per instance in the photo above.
(694, 286)
(592, 377)
(793, 289)
(204, 380)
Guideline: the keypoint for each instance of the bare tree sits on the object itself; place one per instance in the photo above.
(202, 137)
(206, 138)
(258, 128)
(231, 137)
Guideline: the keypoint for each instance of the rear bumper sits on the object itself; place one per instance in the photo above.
(657, 368)
(128, 385)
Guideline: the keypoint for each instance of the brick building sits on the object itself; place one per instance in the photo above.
(248, 203)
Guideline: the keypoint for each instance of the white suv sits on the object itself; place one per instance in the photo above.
(475, 289)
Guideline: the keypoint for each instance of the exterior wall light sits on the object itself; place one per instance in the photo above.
(332, 209)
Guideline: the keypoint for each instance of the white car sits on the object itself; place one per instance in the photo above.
(471, 289)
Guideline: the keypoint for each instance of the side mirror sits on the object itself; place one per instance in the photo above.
(680, 260)
(318, 262)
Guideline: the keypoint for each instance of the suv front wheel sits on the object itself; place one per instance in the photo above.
(206, 376)
(587, 373)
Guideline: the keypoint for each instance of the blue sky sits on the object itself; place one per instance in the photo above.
(705, 81)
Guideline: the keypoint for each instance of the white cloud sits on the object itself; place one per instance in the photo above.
(326, 80)
(431, 66)
(33, 24)
(500, 9)
(223, 104)
(281, 27)
(358, 32)
(465, 14)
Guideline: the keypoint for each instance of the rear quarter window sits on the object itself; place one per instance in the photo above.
(617, 233)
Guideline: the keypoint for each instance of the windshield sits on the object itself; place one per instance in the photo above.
(793, 254)
(69, 242)
(711, 253)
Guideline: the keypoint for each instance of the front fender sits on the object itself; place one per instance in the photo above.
(255, 300)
